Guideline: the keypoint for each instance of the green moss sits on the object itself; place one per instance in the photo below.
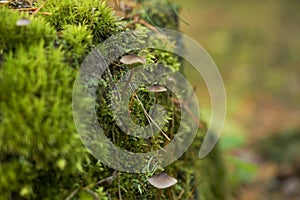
(41, 154)
(35, 101)
(12, 36)
(159, 13)
(93, 13)
(76, 41)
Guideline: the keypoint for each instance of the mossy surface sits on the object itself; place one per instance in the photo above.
(41, 154)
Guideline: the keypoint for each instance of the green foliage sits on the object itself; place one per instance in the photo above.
(78, 38)
(11, 36)
(41, 153)
(36, 131)
(93, 13)
(160, 13)
(76, 41)
(240, 171)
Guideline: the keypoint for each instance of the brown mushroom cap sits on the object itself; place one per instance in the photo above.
(23, 22)
(131, 59)
(162, 181)
(157, 88)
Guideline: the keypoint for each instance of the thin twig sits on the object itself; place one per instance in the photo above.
(180, 195)
(87, 188)
(134, 21)
(39, 8)
(147, 115)
(72, 194)
(129, 79)
(108, 179)
(177, 14)
(110, 77)
(46, 13)
(94, 194)
(150, 26)
(93, 14)
(25, 9)
(119, 188)
(193, 190)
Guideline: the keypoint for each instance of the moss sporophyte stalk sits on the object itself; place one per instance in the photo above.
(42, 155)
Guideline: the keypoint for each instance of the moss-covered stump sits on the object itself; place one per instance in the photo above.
(42, 156)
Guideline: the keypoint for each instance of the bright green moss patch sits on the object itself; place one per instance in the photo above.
(93, 13)
(76, 41)
(12, 36)
(36, 132)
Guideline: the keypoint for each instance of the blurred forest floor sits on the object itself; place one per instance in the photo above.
(256, 46)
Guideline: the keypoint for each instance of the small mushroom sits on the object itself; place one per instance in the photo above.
(131, 59)
(23, 22)
(162, 181)
(157, 88)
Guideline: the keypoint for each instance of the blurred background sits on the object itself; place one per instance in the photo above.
(256, 46)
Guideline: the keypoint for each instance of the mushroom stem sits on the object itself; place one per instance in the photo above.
(160, 192)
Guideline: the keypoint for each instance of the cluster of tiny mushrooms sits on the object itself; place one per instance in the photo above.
(162, 180)
(129, 60)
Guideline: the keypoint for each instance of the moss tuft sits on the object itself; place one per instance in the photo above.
(94, 14)
(12, 36)
(37, 136)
